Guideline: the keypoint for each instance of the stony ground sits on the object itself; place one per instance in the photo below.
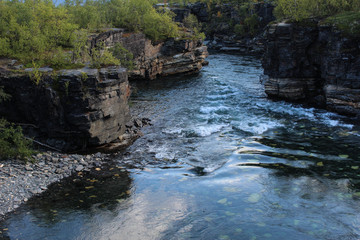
(20, 181)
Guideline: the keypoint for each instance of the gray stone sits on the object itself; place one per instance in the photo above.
(79, 168)
(28, 168)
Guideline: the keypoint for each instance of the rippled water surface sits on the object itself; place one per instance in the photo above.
(220, 162)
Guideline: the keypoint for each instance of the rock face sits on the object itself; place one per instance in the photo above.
(71, 109)
(76, 109)
(157, 59)
(313, 63)
(220, 19)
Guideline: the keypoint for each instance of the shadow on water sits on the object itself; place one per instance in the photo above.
(85, 192)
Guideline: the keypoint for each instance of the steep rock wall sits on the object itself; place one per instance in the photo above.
(69, 109)
(316, 64)
(157, 59)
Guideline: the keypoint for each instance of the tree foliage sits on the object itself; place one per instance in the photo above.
(13, 144)
(40, 31)
(191, 22)
(30, 29)
(302, 9)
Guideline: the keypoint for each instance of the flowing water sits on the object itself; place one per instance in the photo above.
(220, 161)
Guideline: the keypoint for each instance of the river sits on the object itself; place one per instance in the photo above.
(221, 161)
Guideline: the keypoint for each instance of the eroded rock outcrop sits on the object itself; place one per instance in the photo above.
(70, 109)
(313, 63)
(157, 59)
(77, 109)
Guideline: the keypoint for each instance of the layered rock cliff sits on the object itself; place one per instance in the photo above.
(152, 60)
(313, 63)
(70, 109)
(76, 109)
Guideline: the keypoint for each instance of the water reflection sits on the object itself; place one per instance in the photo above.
(66, 205)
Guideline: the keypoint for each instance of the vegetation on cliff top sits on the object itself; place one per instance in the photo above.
(344, 14)
(302, 9)
(41, 32)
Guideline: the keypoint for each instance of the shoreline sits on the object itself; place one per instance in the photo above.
(19, 181)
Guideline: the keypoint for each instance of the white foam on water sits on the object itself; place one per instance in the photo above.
(312, 114)
(172, 130)
(328, 119)
(258, 127)
(220, 97)
(207, 130)
(207, 110)
(162, 151)
(288, 109)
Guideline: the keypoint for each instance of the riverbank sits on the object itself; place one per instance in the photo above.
(20, 181)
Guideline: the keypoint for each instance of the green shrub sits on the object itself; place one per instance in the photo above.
(101, 57)
(3, 95)
(239, 29)
(13, 144)
(302, 9)
(29, 29)
(122, 54)
(192, 23)
(252, 23)
(348, 22)
(35, 74)
(41, 32)
(80, 50)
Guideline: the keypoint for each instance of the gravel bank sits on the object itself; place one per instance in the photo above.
(19, 181)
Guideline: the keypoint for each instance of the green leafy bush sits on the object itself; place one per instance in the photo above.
(3, 95)
(41, 32)
(13, 144)
(302, 9)
(239, 29)
(101, 57)
(122, 54)
(348, 22)
(192, 23)
(35, 74)
(252, 23)
(29, 30)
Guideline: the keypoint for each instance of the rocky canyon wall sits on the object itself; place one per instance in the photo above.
(313, 63)
(69, 109)
(153, 60)
(81, 108)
